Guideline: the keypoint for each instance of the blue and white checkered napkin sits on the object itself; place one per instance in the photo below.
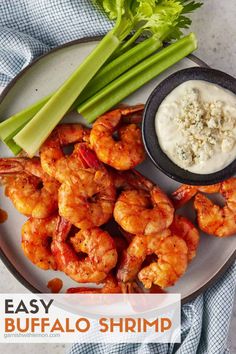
(29, 28)
(204, 329)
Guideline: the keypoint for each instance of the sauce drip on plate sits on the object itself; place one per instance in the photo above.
(3, 216)
(155, 289)
(55, 285)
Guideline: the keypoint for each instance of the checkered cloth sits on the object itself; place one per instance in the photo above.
(29, 28)
(204, 329)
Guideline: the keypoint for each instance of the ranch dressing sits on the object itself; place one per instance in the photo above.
(196, 126)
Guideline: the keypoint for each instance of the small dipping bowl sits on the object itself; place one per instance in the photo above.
(150, 138)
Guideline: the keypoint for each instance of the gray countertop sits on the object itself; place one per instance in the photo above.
(216, 29)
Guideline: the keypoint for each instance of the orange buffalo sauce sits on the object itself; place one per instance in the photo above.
(3, 216)
(155, 289)
(55, 285)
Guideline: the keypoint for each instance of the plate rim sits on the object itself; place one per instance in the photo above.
(6, 261)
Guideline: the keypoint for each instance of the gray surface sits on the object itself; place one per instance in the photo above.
(216, 30)
(215, 26)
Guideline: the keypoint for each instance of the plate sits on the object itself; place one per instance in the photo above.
(43, 77)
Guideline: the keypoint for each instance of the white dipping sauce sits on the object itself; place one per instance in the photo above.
(196, 126)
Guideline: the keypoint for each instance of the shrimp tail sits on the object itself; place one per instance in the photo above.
(186, 192)
(133, 119)
(10, 166)
(208, 214)
(88, 157)
(62, 230)
(142, 182)
(134, 115)
(131, 288)
(126, 111)
(111, 286)
(182, 195)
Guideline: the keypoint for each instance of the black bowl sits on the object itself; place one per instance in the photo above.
(158, 157)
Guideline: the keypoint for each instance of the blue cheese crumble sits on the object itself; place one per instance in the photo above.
(205, 125)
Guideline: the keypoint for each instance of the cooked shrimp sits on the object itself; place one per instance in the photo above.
(32, 191)
(36, 241)
(96, 243)
(183, 228)
(186, 192)
(140, 247)
(171, 265)
(216, 220)
(139, 212)
(132, 179)
(126, 152)
(172, 253)
(90, 201)
(110, 286)
(54, 161)
(212, 219)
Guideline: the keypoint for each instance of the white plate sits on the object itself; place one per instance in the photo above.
(41, 78)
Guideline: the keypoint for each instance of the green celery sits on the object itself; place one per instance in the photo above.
(136, 77)
(15, 123)
(16, 149)
(12, 146)
(31, 137)
(119, 66)
(162, 19)
(11, 126)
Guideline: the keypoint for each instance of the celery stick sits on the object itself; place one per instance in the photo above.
(136, 77)
(162, 19)
(118, 66)
(12, 146)
(11, 126)
(127, 45)
(8, 141)
(158, 18)
(31, 137)
(11, 143)
(18, 120)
